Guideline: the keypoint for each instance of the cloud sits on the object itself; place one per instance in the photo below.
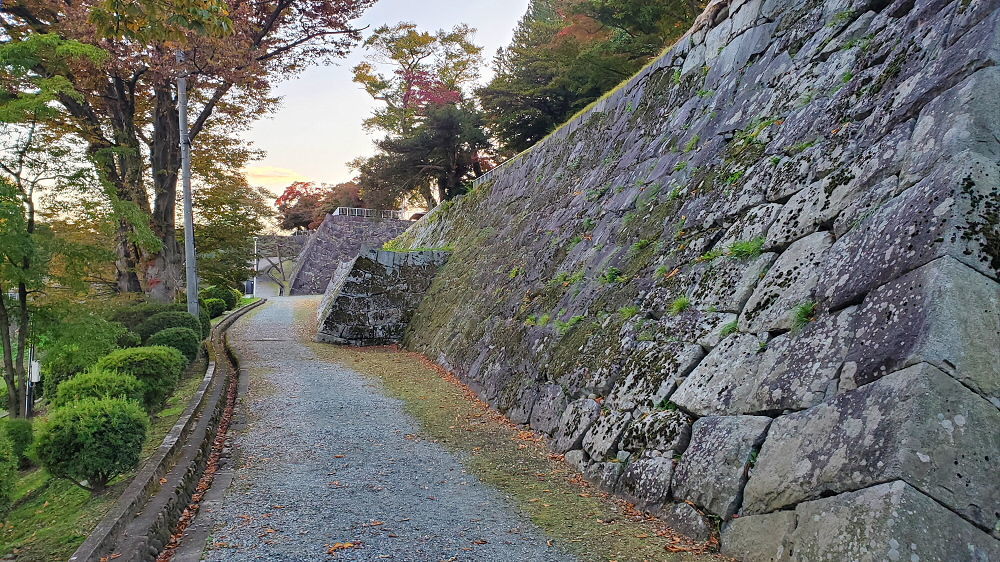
(271, 176)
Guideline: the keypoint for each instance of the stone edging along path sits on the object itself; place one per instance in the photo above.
(141, 521)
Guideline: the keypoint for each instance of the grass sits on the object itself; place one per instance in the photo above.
(577, 517)
(629, 312)
(50, 517)
(679, 305)
(803, 314)
(746, 249)
(612, 275)
(729, 329)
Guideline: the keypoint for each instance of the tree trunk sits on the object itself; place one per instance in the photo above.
(163, 268)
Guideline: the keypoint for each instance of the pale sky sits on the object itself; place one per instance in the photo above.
(318, 128)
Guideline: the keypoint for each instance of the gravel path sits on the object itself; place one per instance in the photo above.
(326, 458)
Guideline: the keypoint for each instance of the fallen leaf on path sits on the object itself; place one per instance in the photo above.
(480, 541)
(333, 548)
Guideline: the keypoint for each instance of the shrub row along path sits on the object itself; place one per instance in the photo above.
(323, 456)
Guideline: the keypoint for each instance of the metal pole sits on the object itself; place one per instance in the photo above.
(256, 268)
(190, 259)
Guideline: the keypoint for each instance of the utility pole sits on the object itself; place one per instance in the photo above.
(190, 259)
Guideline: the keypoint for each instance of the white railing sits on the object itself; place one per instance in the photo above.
(370, 213)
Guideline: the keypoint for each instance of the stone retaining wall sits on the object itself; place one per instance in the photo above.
(760, 279)
(338, 240)
(371, 299)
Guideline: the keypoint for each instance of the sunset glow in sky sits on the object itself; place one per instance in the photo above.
(318, 128)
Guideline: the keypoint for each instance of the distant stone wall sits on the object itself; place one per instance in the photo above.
(759, 279)
(338, 239)
(371, 299)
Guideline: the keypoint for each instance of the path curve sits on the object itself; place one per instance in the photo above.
(325, 458)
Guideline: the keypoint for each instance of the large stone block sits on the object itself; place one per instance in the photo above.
(653, 370)
(724, 380)
(550, 403)
(789, 282)
(726, 283)
(574, 423)
(686, 520)
(714, 467)
(646, 481)
(944, 313)
(795, 371)
(891, 521)
(949, 213)
(917, 424)
(605, 433)
(668, 430)
(764, 538)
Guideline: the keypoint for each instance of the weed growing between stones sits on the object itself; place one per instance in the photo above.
(747, 249)
(612, 275)
(679, 305)
(803, 314)
(628, 312)
(729, 329)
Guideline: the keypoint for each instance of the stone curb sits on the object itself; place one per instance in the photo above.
(145, 492)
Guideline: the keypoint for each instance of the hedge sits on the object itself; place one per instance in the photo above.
(19, 431)
(92, 440)
(215, 307)
(8, 471)
(158, 368)
(133, 315)
(99, 383)
(164, 320)
(184, 340)
(219, 292)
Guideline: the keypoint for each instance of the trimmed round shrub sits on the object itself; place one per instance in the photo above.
(72, 343)
(19, 432)
(164, 320)
(239, 296)
(184, 340)
(219, 292)
(8, 470)
(129, 339)
(99, 384)
(215, 307)
(158, 368)
(134, 314)
(92, 441)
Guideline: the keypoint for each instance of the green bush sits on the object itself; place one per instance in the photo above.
(91, 441)
(219, 292)
(98, 383)
(158, 368)
(18, 430)
(184, 340)
(8, 471)
(71, 343)
(129, 339)
(132, 315)
(215, 307)
(238, 293)
(203, 317)
(164, 320)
